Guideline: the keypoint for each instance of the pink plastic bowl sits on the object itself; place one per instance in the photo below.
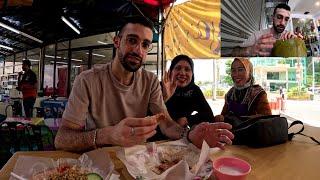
(230, 168)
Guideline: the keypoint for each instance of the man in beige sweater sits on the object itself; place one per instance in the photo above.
(108, 105)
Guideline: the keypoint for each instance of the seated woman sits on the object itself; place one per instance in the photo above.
(184, 100)
(245, 98)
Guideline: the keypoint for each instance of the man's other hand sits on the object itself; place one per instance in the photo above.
(287, 35)
(263, 46)
(215, 134)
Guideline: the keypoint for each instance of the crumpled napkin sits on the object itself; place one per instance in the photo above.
(139, 161)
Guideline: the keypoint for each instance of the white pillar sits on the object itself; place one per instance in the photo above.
(313, 78)
(160, 62)
(214, 83)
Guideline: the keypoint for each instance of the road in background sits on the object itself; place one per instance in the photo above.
(306, 111)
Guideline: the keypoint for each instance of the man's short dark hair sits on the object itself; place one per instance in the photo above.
(136, 20)
(26, 62)
(281, 6)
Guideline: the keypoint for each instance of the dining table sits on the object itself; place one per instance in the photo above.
(293, 160)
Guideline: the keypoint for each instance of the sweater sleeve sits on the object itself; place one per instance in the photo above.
(224, 109)
(261, 105)
(205, 113)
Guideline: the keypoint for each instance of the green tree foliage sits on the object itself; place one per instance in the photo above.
(282, 61)
(227, 79)
(310, 71)
(298, 94)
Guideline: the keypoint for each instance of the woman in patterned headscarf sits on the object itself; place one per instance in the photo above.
(245, 98)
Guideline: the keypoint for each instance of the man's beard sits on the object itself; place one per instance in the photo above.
(130, 66)
(279, 28)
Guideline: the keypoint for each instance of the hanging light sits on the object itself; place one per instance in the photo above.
(70, 25)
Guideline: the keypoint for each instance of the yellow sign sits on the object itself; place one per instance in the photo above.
(193, 29)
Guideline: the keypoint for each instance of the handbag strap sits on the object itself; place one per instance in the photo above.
(291, 135)
(249, 120)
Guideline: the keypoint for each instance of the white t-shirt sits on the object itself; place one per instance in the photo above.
(98, 99)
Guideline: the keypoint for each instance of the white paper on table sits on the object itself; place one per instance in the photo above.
(139, 161)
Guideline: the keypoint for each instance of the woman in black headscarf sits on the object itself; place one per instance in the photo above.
(184, 100)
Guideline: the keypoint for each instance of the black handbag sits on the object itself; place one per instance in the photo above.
(261, 130)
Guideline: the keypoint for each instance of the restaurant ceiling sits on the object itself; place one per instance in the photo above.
(302, 6)
(41, 19)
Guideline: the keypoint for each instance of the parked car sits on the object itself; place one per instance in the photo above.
(316, 90)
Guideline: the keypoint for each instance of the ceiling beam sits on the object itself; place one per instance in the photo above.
(3, 53)
(17, 38)
(6, 50)
(4, 25)
(15, 48)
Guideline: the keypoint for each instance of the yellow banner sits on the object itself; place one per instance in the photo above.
(193, 29)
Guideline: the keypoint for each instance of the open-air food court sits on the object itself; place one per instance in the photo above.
(159, 89)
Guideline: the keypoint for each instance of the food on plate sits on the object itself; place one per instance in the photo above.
(170, 156)
(67, 172)
(166, 160)
(159, 169)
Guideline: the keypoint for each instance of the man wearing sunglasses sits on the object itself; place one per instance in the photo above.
(108, 105)
(260, 43)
